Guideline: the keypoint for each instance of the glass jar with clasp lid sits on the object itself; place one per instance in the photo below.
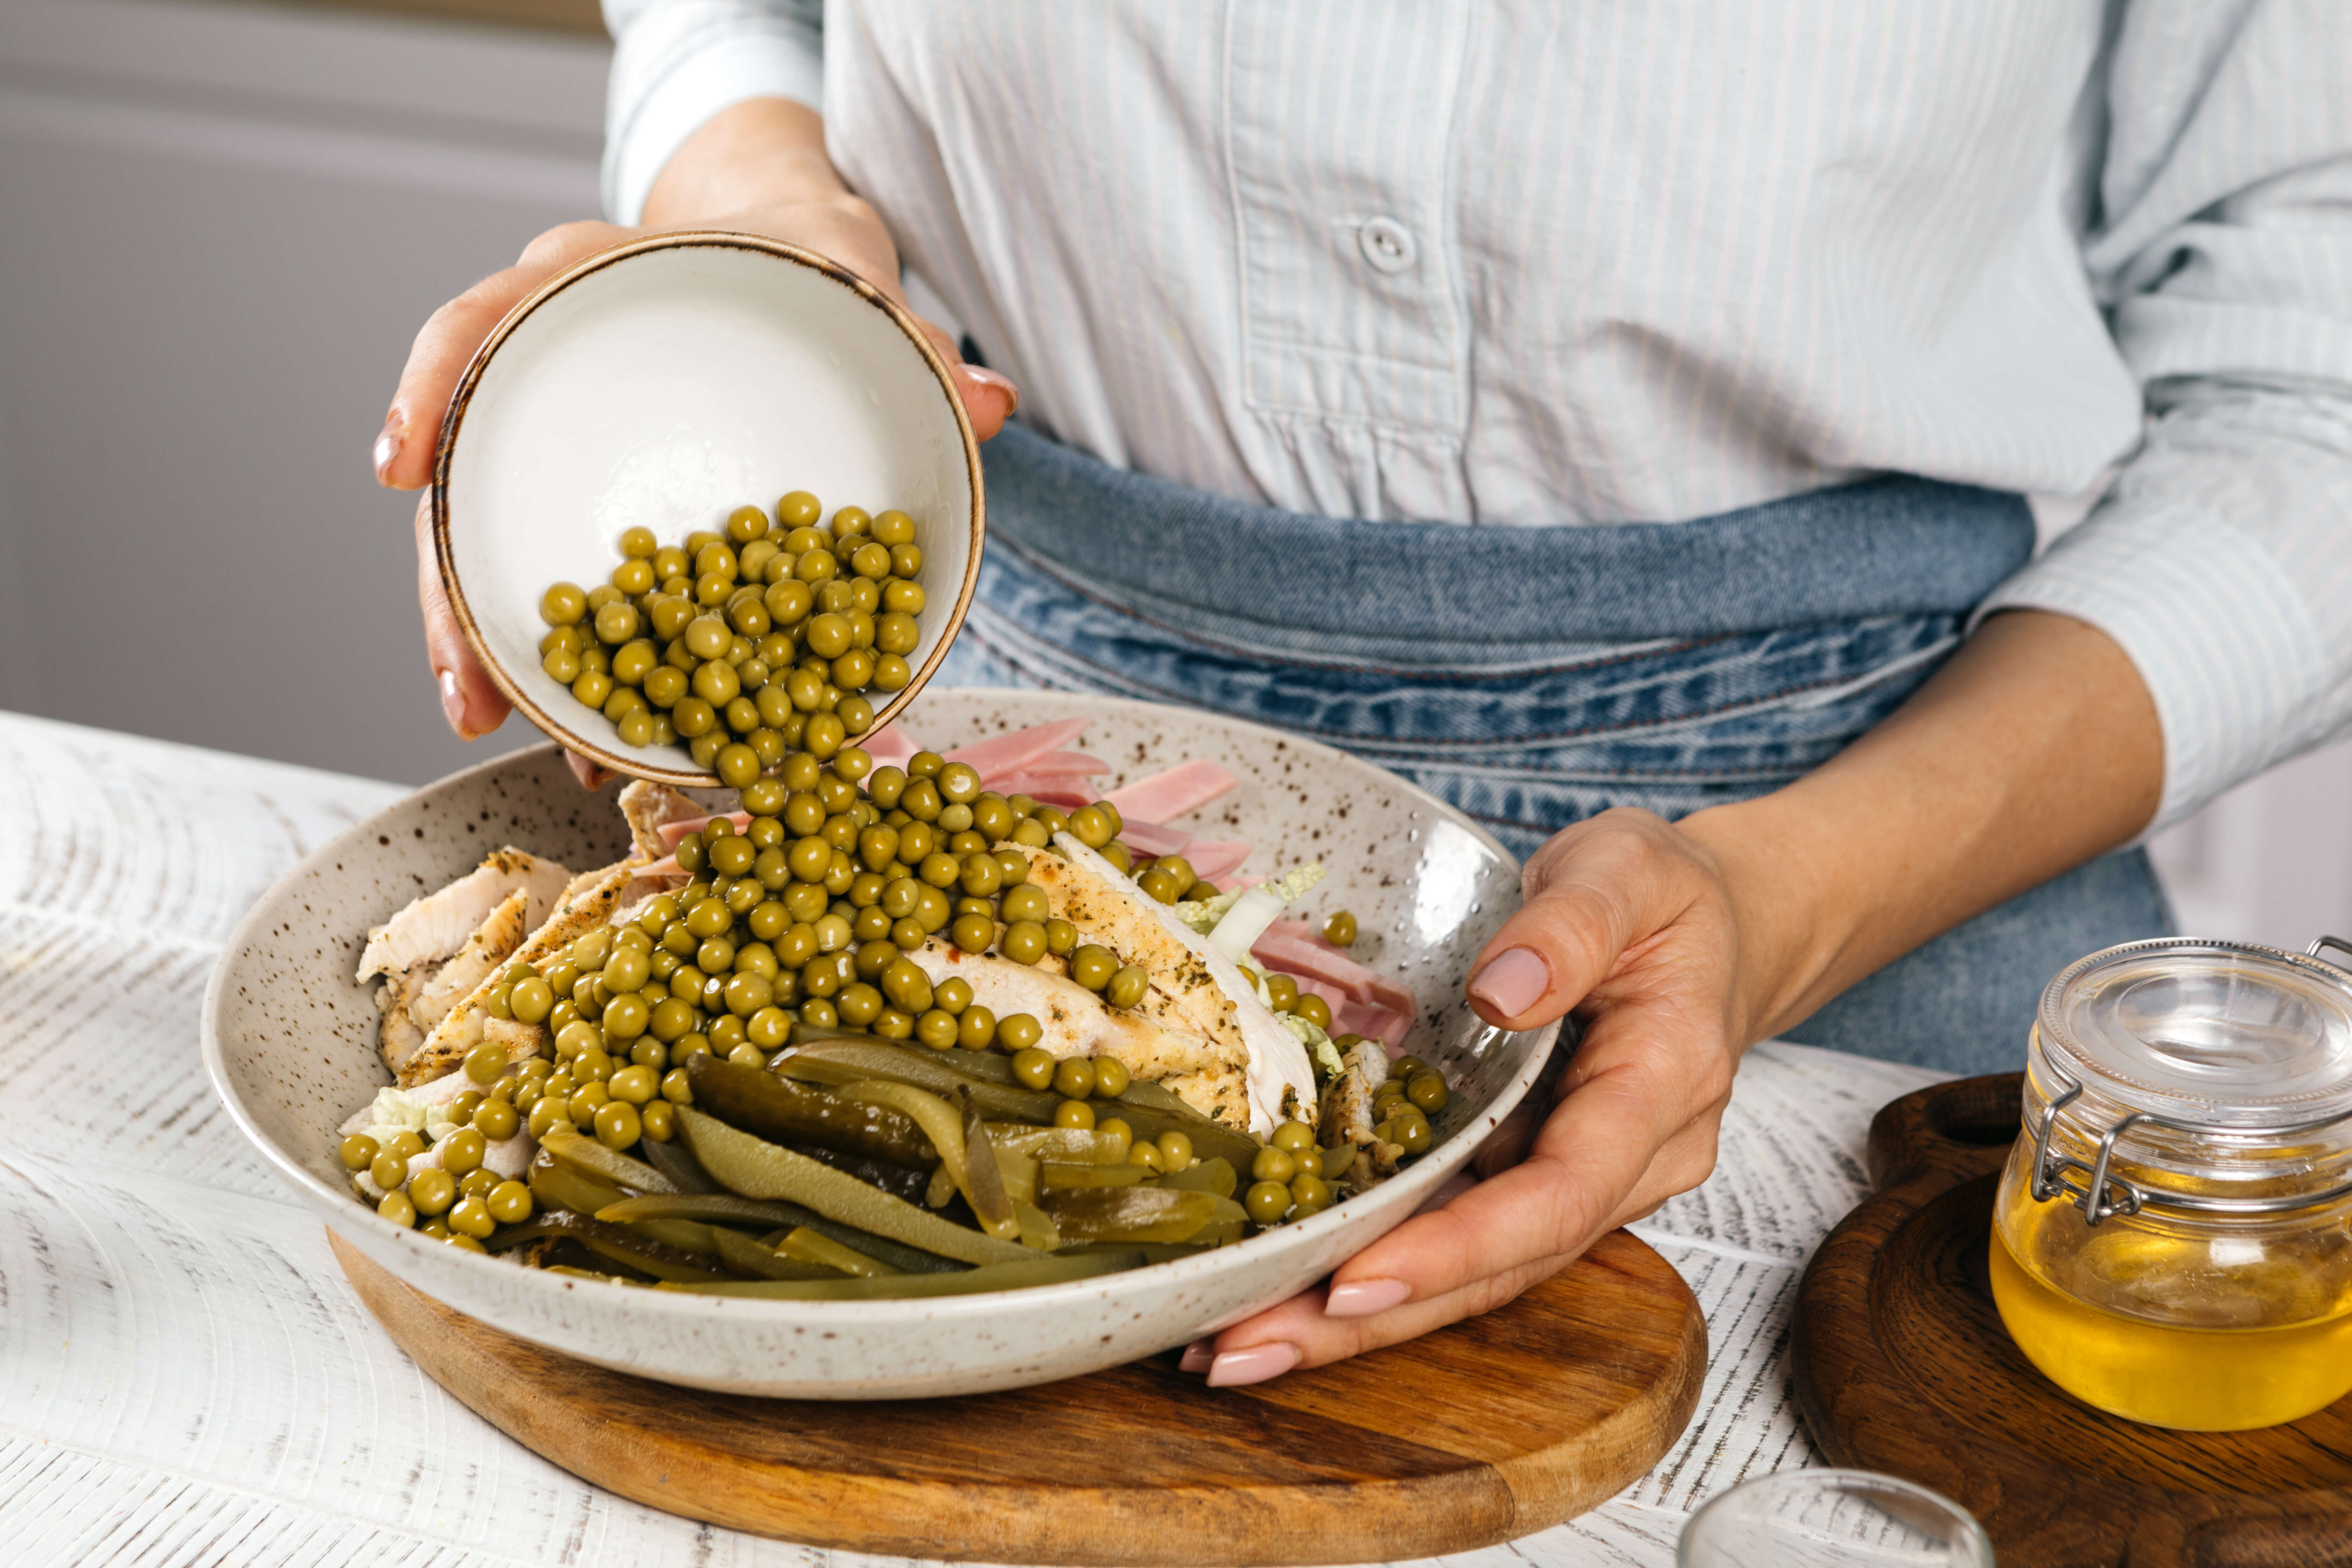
(2172, 1240)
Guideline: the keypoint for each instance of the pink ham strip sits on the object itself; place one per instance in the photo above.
(1185, 787)
(1382, 1024)
(1349, 1016)
(674, 833)
(1013, 752)
(1069, 784)
(1151, 838)
(1049, 791)
(1214, 858)
(890, 746)
(1281, 949)
(666, 866)
(1076, 764)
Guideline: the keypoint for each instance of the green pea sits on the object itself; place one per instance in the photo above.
(395, 1207)
(1314, 1009)
(1267, 1202)
(1074, 1113)
(974, 934)
(563, 605)
(626, 1016)
(432, 1191)
(462, 1151)
(975, 1027)
(1073, 1077)
(1427, 1091)
(1017, 1032)
(1128, 987)
(1091, 826)
(1092, 966)
(1272, 1164)
(1061, 937)
(1023, 942)
(1161, 886)
(496, 1119)
(358, 1152)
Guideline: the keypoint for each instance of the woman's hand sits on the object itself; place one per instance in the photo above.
(1629, 921)
(1678, 945)
(758, 168)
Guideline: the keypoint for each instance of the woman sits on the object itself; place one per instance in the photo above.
(1616, 419)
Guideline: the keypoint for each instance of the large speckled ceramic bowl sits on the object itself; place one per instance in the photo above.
(290, 1042)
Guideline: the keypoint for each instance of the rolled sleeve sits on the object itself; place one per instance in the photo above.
(2221, 562)
(676, 63)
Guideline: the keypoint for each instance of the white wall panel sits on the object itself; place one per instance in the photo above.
(220, 225)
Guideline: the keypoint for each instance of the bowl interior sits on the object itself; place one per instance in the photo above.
(290, 1040)
(664, 384)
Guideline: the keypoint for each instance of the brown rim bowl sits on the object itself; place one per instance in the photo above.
(667, 381)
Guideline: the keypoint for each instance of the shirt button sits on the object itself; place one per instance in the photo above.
(1387, 244)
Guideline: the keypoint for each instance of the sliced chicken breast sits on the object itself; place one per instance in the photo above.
(432, 929)
(1281, 1080)
(648, 806)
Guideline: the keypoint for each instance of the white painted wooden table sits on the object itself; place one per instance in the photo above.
(186, 1377)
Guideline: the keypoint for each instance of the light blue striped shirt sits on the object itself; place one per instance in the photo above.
(1536, 262)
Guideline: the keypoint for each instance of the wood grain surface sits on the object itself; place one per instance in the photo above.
(1480, 1432)
(1901, 1365)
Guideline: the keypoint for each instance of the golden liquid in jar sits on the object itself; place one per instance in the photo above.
(2197, 1379)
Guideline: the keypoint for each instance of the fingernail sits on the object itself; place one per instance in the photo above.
(453, 703)
(388, 444)
(1514, 982)
(1365, 1298)
(1198, 1355)
(987, 377)
(1233, 1369)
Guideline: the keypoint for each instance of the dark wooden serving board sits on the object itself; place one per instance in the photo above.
(1480, 1433)
(1902, 1365)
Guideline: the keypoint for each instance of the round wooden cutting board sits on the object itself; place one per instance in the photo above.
(1480, 1433)
(1902, 1365)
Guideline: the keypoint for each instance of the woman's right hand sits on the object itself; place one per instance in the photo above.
(756, 168)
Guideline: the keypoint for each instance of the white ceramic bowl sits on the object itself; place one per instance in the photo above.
(288, 1041)
(668, 382)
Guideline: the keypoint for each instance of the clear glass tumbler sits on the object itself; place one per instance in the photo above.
(1831, 1518)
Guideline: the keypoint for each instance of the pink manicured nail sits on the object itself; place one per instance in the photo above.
(1233, 1369)
(1364, 1298)
(1515, 982)
(1198, 1355)
(986, 376)
(452, 704)
(388, 445)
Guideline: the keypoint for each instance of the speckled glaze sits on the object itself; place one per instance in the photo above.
(289, 1042)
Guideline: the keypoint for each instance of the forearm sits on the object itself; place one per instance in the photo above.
(2036, 748)
(760, 153)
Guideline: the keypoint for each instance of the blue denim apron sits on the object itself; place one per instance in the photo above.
(1535, 676)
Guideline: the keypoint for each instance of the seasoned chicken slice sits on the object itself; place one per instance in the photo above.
(1347, 1116)
(484, 951)
(1078, 1023)
(432, 929)
(1101, 906)
(648, 806)
(429, 955)
(587, 904)
(1180, 959)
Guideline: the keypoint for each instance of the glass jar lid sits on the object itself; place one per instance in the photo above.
(2223, 1065)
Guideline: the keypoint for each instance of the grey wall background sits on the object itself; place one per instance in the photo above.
(220, 225)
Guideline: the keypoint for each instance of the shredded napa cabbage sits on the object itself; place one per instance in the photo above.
(1242, 921)
(1321, 1051)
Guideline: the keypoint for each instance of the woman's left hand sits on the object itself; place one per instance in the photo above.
(1678, 945)
(1630, 922)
